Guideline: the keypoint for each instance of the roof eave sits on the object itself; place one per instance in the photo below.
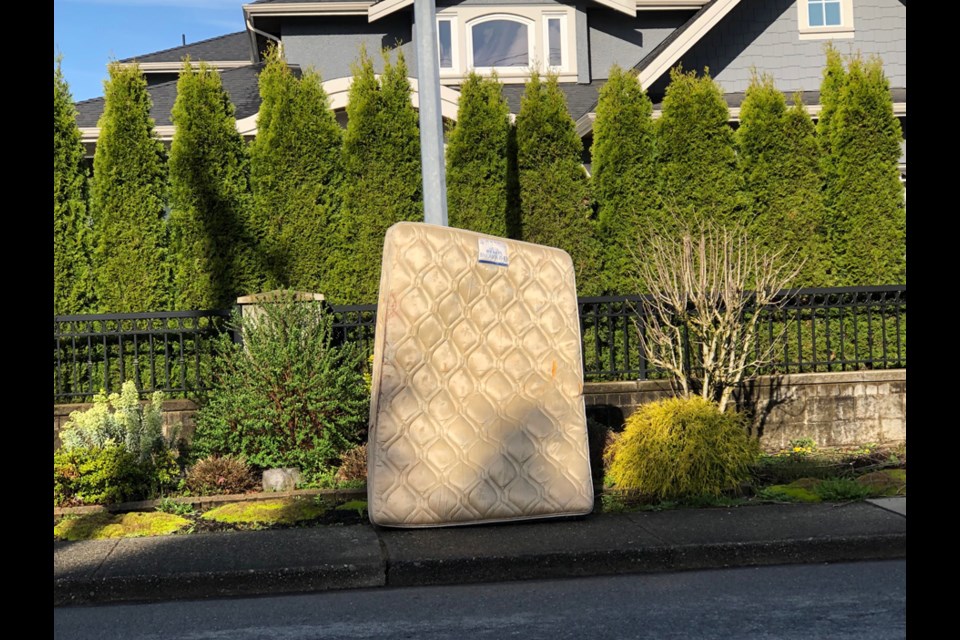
(342, 8)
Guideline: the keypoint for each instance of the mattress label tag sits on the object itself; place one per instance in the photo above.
(493, 252)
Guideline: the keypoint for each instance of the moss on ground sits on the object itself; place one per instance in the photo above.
(800, 490)
(360, 506)
(267, 512)
(127, 525)
(888, 482)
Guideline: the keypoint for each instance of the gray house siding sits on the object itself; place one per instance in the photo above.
(604, 37)
(765, 34)
(619, 39)
(331, 46)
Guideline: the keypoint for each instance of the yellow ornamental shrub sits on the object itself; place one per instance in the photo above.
(682, 448)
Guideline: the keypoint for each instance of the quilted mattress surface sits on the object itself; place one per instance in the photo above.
(476, 409)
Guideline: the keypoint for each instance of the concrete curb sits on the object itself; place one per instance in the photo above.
(184, 586)
(424, 572)
(645, 560)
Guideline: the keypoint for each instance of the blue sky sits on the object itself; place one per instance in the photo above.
(90, 33)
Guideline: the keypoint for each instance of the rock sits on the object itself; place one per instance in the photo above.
(285, 479)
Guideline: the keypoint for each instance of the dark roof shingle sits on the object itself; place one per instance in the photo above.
(240, 84)
(232, 47)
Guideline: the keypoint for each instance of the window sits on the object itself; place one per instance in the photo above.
(498, 43)
(445, 44)
(823, 13)
(509, 41)
(825, 19)
(556, 32)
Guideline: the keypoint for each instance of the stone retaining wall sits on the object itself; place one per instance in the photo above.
(834, 409)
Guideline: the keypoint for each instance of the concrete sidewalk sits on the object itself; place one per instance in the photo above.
(345, 557)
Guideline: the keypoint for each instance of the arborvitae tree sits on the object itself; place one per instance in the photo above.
(779, 157)
(209, 245)
(554, 197)
(834, 77)
(71, 252)
(624, 176)
(127, 199)
(295, 175)
(383, 182)
(865, 195)
(477, 158)
(698, 174)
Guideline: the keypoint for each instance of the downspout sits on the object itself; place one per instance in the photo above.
(268, 36)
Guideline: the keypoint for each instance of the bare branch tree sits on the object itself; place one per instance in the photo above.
(706, 292)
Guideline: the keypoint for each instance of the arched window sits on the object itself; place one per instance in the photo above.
(500, 41)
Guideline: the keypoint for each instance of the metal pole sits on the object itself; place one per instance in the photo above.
(431, 121)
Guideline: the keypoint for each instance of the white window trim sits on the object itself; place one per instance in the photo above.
(535, 19)
(843, 30)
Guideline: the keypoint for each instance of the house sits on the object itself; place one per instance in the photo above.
(577, 39)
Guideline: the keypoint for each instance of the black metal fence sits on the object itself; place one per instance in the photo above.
(163, 350)
(810, 330)
(815, 330)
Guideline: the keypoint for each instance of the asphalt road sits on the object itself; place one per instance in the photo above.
(865, 600)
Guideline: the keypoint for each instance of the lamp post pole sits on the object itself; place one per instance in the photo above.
(431, 121)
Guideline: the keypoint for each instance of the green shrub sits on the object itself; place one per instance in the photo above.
(114, 456)
(842, 489)
(93, 475)
(683, 448)
(174, 507)
(286, 397)
(353, 466)
(136, 427)
(111, 474)
(220, 475)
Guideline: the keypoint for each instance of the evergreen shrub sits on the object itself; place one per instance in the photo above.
(116, 451)
(220, 475)
(93, 475)
(683, 448)
(136, 427)
(287, 396)
(110, 474)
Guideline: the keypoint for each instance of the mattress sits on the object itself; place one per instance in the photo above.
(477, 410)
